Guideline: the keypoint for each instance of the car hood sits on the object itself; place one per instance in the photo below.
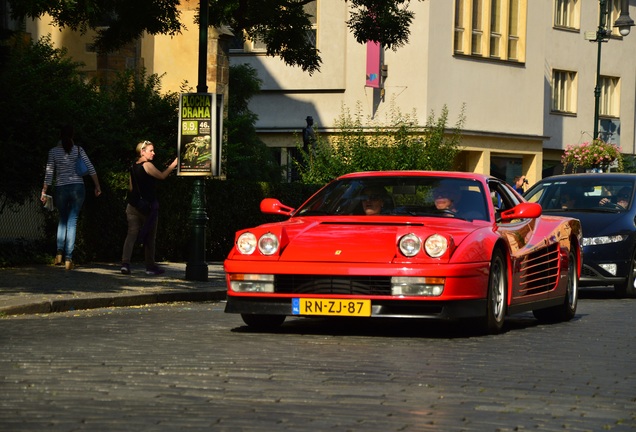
(595, 223)
(358, 242)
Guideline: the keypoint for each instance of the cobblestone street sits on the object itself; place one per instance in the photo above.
(192, 367)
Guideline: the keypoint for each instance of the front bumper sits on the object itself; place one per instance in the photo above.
(447, 310)
(592, 274)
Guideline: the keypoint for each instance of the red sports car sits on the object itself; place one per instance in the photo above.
(407, 244)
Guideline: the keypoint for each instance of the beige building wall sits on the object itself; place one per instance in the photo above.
(423, 76)
(77, 45)
(175, 59)
(568, 50)
(507, 104)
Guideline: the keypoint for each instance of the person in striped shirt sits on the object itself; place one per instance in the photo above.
(69, 191)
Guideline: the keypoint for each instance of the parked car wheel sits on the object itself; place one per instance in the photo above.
(628, 288)
(263, 322)
(567, 310)
(497, 288)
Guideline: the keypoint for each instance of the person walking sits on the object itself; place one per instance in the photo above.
(69, 191)
(142, 209)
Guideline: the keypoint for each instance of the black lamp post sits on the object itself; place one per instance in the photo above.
(196, 267)
(624, 23)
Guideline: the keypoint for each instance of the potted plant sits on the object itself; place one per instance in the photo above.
(593, 157)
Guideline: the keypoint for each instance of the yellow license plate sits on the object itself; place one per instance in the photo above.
(339, 307)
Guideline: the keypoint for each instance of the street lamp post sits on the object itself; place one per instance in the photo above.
(197, 268)
(624, 23)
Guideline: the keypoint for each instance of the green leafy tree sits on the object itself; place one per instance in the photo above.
(43, 89)
(397, 145)
(134, 108)
(117, 22)
(281, 24)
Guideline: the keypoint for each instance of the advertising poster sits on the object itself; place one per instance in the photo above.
(200, 131)
(373, 64)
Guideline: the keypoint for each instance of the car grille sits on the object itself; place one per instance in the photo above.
(540, 269)
(321, 284)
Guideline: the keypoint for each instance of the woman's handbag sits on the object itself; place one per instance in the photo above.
(49, 202)
(80, 166)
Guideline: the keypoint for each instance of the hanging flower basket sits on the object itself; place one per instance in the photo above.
(596, 156)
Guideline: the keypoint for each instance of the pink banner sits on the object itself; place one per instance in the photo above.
(373, 65)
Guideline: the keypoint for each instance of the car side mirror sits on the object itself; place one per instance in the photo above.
(273, 206)
(522, 211)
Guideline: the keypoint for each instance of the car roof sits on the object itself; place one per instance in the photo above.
(580, 176)
(414, 173)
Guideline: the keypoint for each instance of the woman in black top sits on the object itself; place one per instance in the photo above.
(142, 220)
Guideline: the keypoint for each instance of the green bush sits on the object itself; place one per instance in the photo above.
(398, 144)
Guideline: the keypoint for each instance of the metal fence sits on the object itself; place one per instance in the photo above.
(22, 222)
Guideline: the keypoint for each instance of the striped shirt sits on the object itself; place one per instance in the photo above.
(62, 166)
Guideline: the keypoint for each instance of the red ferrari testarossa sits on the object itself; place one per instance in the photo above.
(407, 244)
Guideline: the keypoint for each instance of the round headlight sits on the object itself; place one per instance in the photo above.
(436, 245)
(268, 244)
(410, 245)
(246, 243)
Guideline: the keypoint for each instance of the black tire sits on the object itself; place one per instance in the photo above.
(497, 293)
(628, 288)
(263, 322)
(567, 310)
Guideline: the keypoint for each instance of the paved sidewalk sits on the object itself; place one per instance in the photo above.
(46, 288)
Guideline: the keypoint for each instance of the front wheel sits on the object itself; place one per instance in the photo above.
(263, 322)
(567, 310)
(497, 289)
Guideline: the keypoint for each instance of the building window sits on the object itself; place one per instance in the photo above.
(476, 26)
(609, 103)
(459, 26)
(613, 12)
(245, 44)
(567, 14)
(491, 29)
(514, 30)
(563, 91)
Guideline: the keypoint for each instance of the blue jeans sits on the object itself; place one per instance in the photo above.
(68, 200)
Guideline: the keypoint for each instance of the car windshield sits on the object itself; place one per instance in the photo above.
(400, 196)
(579, 194)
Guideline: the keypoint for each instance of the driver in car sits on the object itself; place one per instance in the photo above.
(373, 200)
(445, 199)
(622, 198)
